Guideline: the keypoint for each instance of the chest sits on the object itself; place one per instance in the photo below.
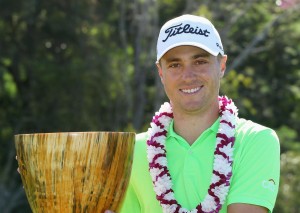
(191, 169)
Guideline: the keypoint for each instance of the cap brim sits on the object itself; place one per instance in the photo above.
(214, 53)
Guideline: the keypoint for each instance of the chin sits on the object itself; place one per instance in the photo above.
(193, 107)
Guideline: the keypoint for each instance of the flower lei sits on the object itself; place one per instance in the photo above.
(222, 166)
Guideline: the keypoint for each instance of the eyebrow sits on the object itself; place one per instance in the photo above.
(200, 55)
(173, 59)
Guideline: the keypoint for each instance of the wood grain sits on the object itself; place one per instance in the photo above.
(75, 171)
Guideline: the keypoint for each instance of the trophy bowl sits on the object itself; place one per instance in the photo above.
(75, 171)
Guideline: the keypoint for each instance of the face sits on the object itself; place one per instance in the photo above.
(191, 78)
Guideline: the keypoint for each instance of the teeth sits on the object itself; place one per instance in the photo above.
(190, 90)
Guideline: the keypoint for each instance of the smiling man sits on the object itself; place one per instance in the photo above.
(198, 155)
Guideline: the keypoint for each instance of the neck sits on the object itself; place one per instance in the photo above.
(191, 126)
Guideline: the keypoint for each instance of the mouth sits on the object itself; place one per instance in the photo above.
(191, 91)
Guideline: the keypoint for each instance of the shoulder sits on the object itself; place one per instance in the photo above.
(251, 134)
(141, 140)
(141, 137)
(251, 129)
(140, 150)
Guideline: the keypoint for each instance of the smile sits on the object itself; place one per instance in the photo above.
(190, 91)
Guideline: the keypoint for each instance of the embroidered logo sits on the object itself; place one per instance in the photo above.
(269, 184)
(187, 28)
(220, 46)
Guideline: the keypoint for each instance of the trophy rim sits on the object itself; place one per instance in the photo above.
(74, 133)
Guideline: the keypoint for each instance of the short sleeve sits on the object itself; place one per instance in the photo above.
(256, 168)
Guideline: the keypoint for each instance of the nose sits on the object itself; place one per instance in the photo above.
(188, 73)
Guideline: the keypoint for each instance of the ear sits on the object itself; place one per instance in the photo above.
(160, 72)
(223, 65)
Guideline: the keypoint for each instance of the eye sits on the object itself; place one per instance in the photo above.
(174, 65)
(201, 61)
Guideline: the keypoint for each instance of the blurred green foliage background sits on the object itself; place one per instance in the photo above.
(90, 66)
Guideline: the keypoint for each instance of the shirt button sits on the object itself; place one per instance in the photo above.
(190, 152)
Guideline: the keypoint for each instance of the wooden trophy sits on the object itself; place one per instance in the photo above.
(75, 172)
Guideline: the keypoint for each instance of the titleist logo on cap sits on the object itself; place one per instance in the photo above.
(178, 29)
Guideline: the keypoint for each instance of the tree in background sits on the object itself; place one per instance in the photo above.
(90, 66)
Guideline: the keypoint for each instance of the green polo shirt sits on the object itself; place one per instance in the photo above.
(255, 170)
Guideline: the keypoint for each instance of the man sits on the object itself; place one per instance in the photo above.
(198, 156)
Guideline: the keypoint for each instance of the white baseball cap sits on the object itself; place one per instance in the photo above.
(189, 30)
